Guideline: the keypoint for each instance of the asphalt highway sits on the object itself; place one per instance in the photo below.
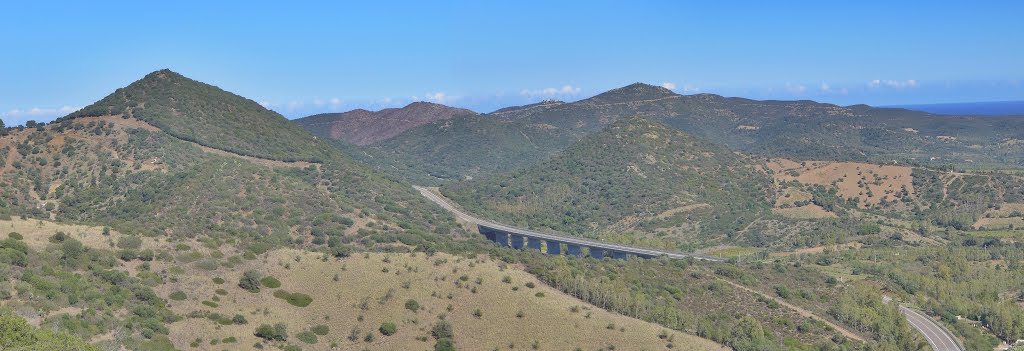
(938, 337)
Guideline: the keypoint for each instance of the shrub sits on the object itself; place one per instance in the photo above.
(295, 299)
(412, 305)
(211, 304)
(218, 280)
(239, 319)
(250, 281)
(278, 332)
(270, 282)
(306, 337)
(442, 330)
(445, 344)
(15, 236)
(178, 295)
(58, 237)
(221, 292)
(129, 242)
(320, 330)
(388, 328)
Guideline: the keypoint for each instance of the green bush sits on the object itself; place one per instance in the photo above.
(218, 280)
(412, 305)
(250, 281)
(15, 236)
(270, 282)
(388, 328)
(444, 344)
(295, 299)
(306, 337)
(129, 242)
(442, 330)
(178, 295)
(277, 332)
(320, 330)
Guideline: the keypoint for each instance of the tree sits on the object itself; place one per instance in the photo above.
(16, 334)
(250, 281)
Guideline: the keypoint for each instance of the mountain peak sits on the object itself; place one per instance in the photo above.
(633, 92)
(207, 115)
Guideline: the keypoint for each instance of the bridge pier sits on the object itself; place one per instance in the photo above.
(533, 243)
(501, 238)
(573, 250)
(597, 253)
(487, 234)
(517, 242)
(554, 248)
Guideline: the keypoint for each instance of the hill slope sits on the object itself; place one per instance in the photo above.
(135, 176)
(633, 174)
(362, 127)
(803, 130)
(460, 148)
(207, 115)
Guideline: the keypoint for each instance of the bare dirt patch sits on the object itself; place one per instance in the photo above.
(808, 211)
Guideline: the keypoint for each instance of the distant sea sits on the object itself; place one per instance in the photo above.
(994, 108)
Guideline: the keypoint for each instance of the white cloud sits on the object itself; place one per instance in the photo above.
(899, 84)
(796, 88)
(566, 90)
(668, 85)
(39, 114)
(825, 87)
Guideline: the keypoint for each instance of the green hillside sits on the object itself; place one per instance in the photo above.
(803, 130)
(123, 172)
(634, 175)
(207, 115)
(461, 148)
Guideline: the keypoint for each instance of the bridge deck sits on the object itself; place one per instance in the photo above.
(640, 251)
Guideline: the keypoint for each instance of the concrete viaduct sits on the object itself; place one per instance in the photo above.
(554, 244)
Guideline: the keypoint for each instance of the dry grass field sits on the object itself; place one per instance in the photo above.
(868, 182)
(352, 297)
(804, 212)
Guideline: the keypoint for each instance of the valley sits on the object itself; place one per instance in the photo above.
(172, 214)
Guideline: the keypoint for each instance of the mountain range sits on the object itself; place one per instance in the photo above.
(172, 214)
(474, 146)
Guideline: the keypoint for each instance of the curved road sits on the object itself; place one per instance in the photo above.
(938, 336)
(443, 202)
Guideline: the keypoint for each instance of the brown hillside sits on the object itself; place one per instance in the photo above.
(362, 127)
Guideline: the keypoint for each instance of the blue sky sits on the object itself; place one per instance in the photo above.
(312, 57)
